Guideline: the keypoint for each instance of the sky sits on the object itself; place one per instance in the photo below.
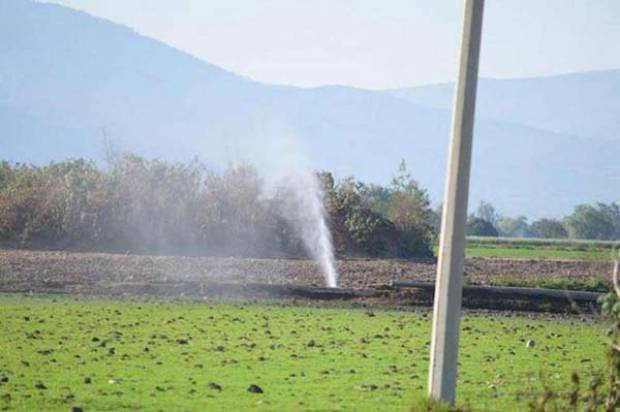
(374, 44)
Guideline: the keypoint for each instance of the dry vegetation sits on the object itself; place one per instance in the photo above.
(157, 207)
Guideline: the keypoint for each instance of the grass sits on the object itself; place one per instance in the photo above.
(103, 354)
(589, 284)
(561, 243)
(561, 249)
(536, 253)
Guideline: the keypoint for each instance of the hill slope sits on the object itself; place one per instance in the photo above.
(65, 76)
(579, 104)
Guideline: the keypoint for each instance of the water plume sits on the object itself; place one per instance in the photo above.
(305, 209)
(303, 201)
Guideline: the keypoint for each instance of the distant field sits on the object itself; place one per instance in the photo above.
(541, 248)
(535, 253)
(101, 354)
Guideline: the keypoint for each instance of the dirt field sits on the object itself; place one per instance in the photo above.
(21, 269)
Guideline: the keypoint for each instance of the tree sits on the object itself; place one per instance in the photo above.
(486, 211)
(512, 227)
(590, 222)
(410, 211)
(480, 227)
(612, 211)
(409, 205)
(548, 229)
(358, 229)
(436, 217)
(375, 197)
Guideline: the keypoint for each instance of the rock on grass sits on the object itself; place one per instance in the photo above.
(255, 389)
(214, 386)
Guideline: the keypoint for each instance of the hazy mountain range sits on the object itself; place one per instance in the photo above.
(68, 79)
(580, 104)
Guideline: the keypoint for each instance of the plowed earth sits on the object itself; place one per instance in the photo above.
(21, 270)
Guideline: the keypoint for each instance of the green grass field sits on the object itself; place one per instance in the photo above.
(561, 249)
(553, 282)
(536, 253)
(101, 354)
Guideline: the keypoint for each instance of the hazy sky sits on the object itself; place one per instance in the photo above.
(373, 43)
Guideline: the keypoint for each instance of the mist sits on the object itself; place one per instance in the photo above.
(289, 173)
(305, 209)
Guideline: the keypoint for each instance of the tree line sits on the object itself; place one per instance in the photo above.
(152, 206)
(600, 221)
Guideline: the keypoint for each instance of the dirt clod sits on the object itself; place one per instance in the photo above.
(214, 386)
(255, 389)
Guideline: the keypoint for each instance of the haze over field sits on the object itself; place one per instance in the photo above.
(67, 79)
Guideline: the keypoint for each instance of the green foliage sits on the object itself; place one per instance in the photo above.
(548, 229)
(480, 227)
(612, 212)
(409, 204)
(486, 211)
(594, 222)
(436, 217)
(375, 198)
(610, 307)
(510, 227)
(359, 228)
(599, 221)
(159, 207)
(409, 208)
(359, 223)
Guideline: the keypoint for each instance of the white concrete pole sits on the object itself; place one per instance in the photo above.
(449, 283)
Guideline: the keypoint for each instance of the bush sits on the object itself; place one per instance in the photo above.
(548, 229)
(480, 227)
(158, 207)
(58, 203)
(513, 227)
(409, 209)
(357, 229)
(590, 222)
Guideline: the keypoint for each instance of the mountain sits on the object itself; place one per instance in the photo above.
(580, 104)
(67, 80)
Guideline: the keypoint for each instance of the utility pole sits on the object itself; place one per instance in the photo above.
(449, 283)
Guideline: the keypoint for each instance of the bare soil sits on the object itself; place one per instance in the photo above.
(365, 280)
(19, 268)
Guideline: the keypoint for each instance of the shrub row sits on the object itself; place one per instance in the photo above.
(155, 207)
